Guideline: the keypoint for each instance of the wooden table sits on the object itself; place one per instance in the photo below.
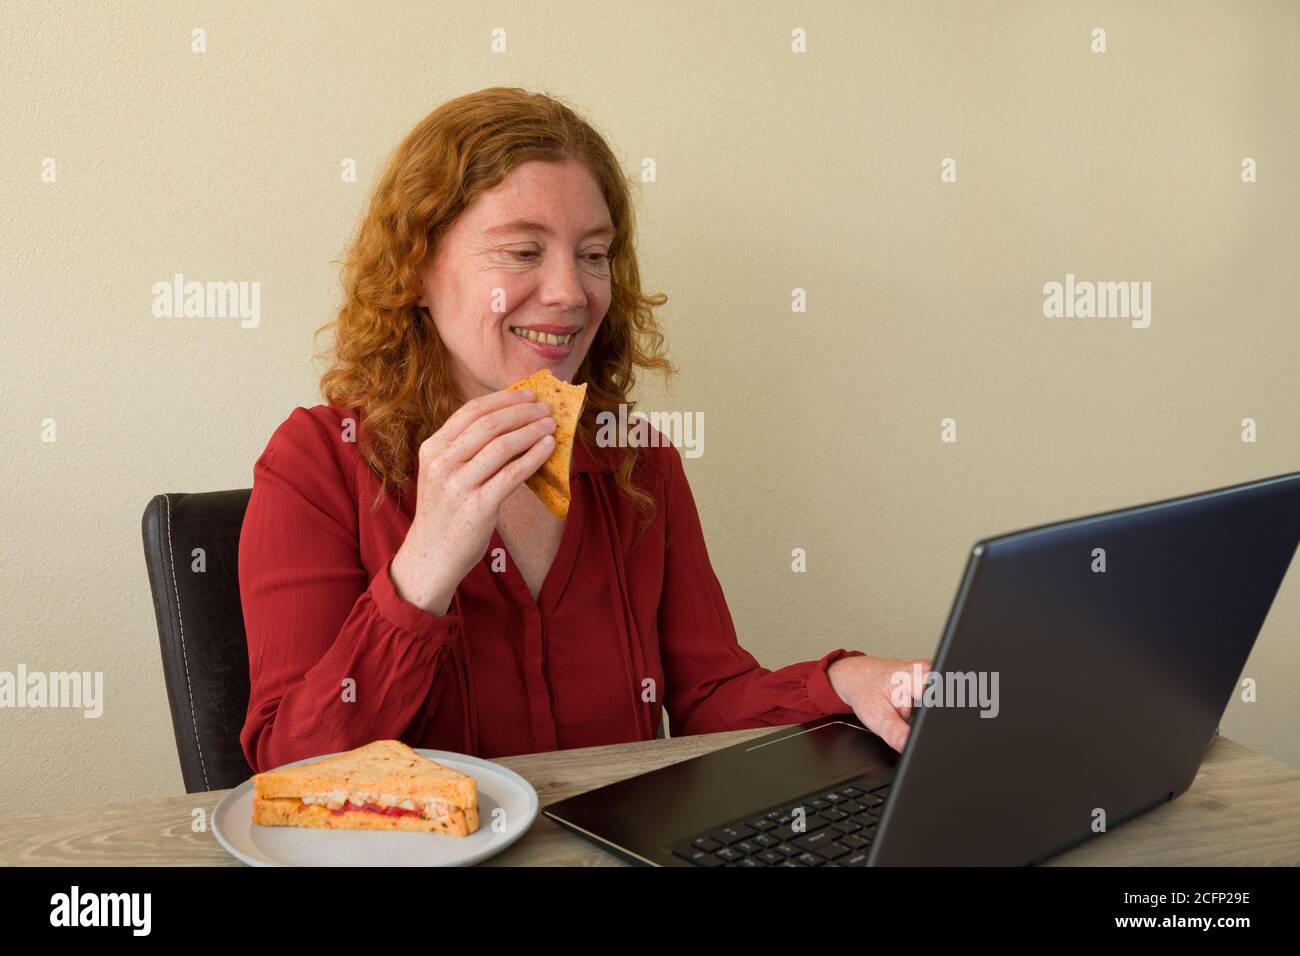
(1243, 809)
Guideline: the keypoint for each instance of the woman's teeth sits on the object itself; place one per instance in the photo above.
(545, 338)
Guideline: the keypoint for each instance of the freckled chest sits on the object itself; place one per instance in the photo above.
(532, 536)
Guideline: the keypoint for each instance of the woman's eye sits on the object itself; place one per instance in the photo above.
(595, 258)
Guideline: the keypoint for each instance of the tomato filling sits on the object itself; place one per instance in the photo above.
(376, 808)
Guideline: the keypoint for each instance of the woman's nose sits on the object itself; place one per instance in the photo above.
(562, 284)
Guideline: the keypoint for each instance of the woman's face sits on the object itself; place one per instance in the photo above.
(532, 253)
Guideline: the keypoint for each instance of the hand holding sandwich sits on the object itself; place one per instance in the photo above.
(467, 468)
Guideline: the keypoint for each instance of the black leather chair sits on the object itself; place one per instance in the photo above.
(201, 630)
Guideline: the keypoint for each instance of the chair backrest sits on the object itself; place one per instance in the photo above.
(191, 547)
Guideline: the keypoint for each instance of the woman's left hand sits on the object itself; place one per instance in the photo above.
(881, 691)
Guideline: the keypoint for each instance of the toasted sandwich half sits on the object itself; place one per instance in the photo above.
(384, 785)
(551, 481)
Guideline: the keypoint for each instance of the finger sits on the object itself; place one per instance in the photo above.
(888, 726)
(503, 449)
(902, 738)
(904, 692)
(516, 472)
(475, 408)
(917, 687)
(485, 430)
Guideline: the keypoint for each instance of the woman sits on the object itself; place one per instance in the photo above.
(399, 580)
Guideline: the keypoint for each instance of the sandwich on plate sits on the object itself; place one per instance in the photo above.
(551, 482)
(384, 785)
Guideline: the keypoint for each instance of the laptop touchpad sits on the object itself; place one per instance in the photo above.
(834, 749)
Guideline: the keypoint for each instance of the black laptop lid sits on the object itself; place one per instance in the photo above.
(1110, 683)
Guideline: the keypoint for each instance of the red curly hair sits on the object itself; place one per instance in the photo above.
(387, 358)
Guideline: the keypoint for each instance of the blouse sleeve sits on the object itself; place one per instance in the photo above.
(335, 661)
(711, 682)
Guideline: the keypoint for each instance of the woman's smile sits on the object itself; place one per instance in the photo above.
(548, 341)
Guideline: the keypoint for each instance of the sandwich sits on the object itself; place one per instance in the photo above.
(384, 785)
(551, 482)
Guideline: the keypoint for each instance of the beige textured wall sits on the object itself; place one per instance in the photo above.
(776, 170)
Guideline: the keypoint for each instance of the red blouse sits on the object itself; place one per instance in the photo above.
(337, 659)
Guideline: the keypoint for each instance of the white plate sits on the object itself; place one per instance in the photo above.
(498, 787)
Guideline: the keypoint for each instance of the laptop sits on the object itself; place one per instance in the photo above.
(1080, 679)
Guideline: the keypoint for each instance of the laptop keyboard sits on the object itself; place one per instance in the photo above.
(839, 825)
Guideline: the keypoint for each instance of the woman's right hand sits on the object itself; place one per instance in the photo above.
(468, 467)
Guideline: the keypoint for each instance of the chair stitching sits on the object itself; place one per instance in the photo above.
(171, 554)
